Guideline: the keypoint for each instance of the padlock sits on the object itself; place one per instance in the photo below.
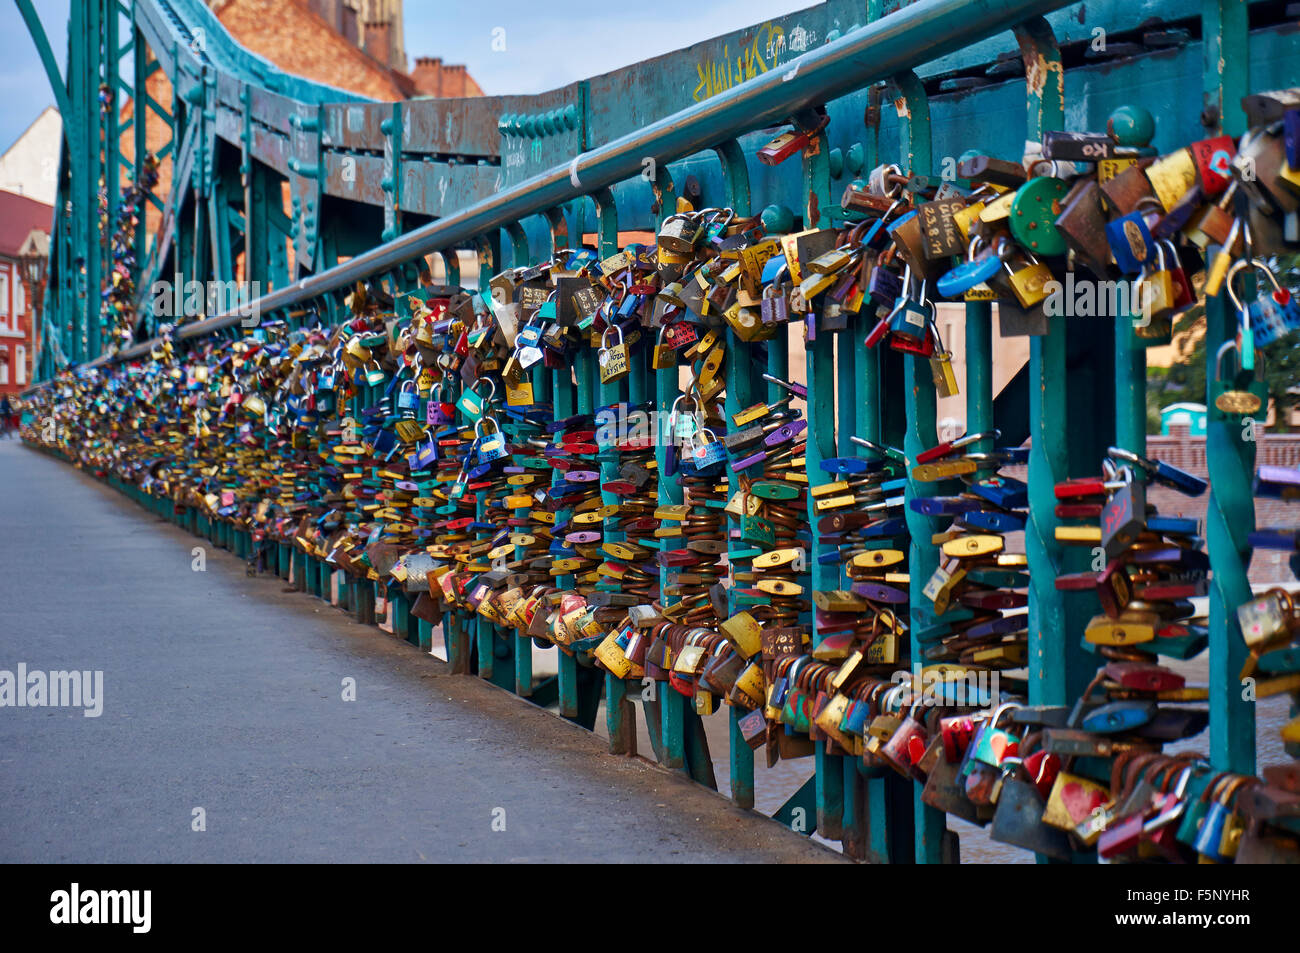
(1263, 324)
(613, 361)
(1124, 516)
(491, 444)
(662, 357)
(909, 322)
(1242, 393)
(407, 397)
(1029, 282)
(1172, 176)
(976, 270)
(680, 334)
(1130, 240)
(941, 369)
(1214, 224)
(716, 221)
(1155, 298)
(683, 425)
(994, 743)
(1033, 214)
(1267, 620)
(471, 404)
(790, 143)
(680, 233)
(1082, 224)
(438, 412)
(1220, 831)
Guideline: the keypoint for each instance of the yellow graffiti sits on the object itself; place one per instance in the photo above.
(718, 76)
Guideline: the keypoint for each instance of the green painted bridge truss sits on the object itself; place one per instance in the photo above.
(277, 180)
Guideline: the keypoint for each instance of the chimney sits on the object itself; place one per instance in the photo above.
(376, 39)
(350, 28)
(427, 75)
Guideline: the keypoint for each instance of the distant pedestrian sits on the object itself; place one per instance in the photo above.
(8, 422)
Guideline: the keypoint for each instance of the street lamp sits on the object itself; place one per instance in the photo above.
(34, 260)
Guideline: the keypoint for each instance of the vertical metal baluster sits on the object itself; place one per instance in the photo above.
(620, 713)
(741, 393)
(1229, 519)
(819, 368)
(1049, 458)
(913, 109)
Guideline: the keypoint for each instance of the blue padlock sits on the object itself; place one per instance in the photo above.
(407, 398)
(1006, 492)
(1131, 242)
(972, 272)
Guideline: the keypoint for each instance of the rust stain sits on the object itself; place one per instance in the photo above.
(1036, 74)
(901, 107)
(814, 210)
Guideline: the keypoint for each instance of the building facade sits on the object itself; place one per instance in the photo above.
(30, 165)
(24, 239)
(357, 45)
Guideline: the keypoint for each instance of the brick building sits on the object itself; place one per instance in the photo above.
(24, 235)
(357, 45)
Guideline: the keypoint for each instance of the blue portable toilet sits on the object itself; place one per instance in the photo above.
(1193, 415)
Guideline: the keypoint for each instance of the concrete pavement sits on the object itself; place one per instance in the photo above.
(225, 694)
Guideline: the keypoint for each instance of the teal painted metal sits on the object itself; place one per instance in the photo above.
(913, 110)
(1049, 460)
(741, 392)
(1229, 518)
(863, 365)
(58, 86)
(220, 91)
(241, 86)
(829, 71)
(799, 812)
(819, 356)
(1226, 58)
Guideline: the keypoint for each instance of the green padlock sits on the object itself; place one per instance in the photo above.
(755, 529)
(1034, 210)
(471, 404)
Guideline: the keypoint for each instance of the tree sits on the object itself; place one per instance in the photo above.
(1184, 380)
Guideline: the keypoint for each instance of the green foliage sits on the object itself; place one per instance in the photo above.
(1184, 379)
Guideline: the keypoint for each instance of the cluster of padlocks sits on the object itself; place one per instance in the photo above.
(418, 442)
(120, 290)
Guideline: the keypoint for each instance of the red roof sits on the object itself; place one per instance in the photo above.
(19, 215)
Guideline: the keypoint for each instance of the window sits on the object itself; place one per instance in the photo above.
(4, 368)
(20, 364)
(20, 299)
(4, 296)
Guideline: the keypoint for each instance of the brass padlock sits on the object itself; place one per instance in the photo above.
(613, 361)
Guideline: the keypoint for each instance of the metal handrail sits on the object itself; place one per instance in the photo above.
(922, 31)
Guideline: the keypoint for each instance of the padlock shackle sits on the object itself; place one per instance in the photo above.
(611, 327)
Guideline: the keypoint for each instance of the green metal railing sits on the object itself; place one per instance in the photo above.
(230, 106)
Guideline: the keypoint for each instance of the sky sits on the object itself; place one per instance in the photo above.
(24, 89)
(545, 45)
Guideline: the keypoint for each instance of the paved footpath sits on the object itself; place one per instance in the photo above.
(224, 693)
